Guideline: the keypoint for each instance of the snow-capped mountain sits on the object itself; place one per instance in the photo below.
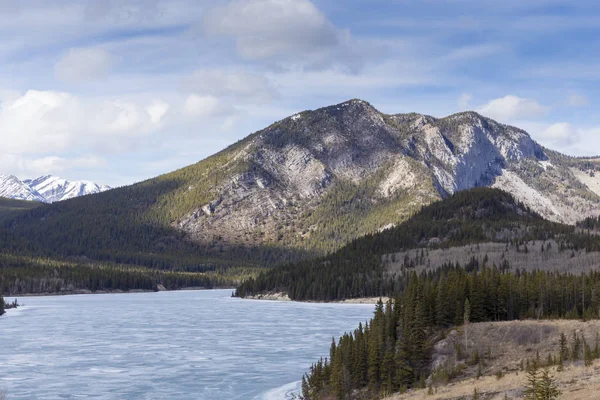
(47, 189)
(13, 188)
(53, 188)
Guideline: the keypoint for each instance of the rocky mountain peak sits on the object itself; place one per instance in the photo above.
(357, 155)
(46, 188)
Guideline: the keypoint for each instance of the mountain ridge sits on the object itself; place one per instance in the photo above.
(310, 183)
(46, 188)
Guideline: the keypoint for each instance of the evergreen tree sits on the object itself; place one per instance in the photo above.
(564, 349)
(305, 389)
(576, 347)
(467, 319)
(547, 389)
(1, 305)
(531, 388)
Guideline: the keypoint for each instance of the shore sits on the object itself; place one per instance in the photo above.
(280, 296)
(87, 291)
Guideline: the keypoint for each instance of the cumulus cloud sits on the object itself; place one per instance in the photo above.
(264, 29)
(49, 121)
(83, 64)
(510, 108)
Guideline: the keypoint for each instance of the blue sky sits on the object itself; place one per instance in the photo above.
(119, 91)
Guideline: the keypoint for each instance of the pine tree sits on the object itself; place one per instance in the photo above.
(404, 373)
(564, 350)
(466, 320)
(1, 305)
(588, 354)
(576, 347)
(305, 389)
(547, 389)
(531, 389)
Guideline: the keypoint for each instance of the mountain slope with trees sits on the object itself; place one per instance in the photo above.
(304, 187)
(362, 268)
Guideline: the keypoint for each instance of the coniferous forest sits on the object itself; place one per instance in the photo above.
(25, 275)
(468, 217)
(391, 352)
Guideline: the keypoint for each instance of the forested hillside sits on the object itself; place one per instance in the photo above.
(475, 216)
(303, 188)
(10, 207)
(24, 275)
(392, 352)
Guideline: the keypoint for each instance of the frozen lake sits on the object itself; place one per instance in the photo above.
(166, 345)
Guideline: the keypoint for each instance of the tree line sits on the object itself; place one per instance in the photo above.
(20, 275)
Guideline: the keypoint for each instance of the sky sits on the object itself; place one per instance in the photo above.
(117, 91)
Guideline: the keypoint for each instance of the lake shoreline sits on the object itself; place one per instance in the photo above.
(281, 296)
(87, 291)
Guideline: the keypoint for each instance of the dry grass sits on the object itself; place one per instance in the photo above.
(509, 344)
(575, 382)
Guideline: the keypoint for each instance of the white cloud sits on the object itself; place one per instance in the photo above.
(222, 82)
(83, 64)
(464, 101)
(49, 121)
(577, 100)
(561, 134)
(203, 106)
(510, 108)
(264, 29)
(157, 110)
(55, 164)
(25, 166)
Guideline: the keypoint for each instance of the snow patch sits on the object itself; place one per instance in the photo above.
(296, 117)
(285, 392)
(592, 182)
(53, 188)
(546, 164)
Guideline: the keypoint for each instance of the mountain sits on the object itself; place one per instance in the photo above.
(307, 185)
(46, 189)
(53, 188)
(322, 177)
(12, 188)
(472, 228)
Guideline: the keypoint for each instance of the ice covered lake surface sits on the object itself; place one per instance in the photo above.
(167, 345)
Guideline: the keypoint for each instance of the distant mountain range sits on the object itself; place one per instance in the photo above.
(46, 189)
(307, 185)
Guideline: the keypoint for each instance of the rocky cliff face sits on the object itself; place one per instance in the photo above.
(320, 178)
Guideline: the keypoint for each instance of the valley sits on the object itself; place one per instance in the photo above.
(299, 200)
(450, 220)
